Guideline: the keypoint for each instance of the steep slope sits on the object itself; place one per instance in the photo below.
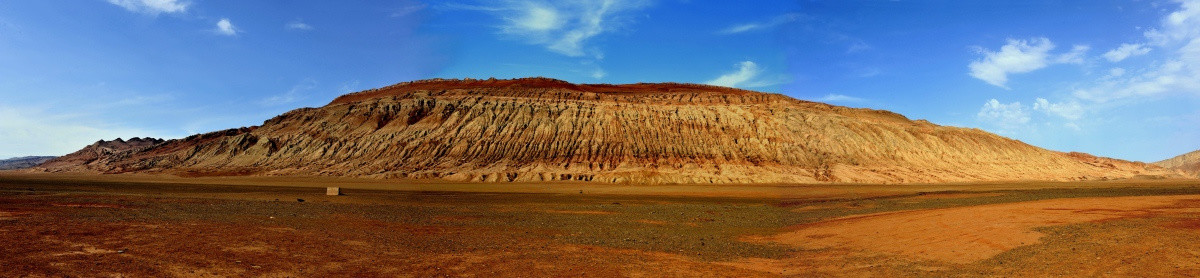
(22, 162)
(538, 129)
(1188, 162)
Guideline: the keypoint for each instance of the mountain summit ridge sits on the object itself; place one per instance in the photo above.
(541, 129)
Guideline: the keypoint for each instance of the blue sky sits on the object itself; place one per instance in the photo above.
(1112, 78)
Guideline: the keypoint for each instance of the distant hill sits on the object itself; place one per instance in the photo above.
(539, 129)
(1188, 162)
(23, 162)
(100, 152)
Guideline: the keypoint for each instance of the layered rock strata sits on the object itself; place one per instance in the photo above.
(538, 129)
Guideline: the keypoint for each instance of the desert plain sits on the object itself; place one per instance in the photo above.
(59, 225)
(599, 138)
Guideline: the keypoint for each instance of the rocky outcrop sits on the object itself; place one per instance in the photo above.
(1188, 163)
(23, 162)
(99, 154)
(538, 129)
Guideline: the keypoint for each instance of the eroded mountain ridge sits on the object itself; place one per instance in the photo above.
(538, 129)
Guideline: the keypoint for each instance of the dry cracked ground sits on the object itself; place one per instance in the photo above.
(53, 227)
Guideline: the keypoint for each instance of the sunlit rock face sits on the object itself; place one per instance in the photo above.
(539, 129)
(1189, 163)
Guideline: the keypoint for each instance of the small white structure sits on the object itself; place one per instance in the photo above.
(333, 191)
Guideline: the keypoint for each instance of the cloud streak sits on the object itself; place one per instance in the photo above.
(224, 27)
(1126, 50)
(746, 71)
(563, 27)
(1176, 72)
(1071, 110)
(298, 25)
(1006, 116)
(408, 10)
(296, 93)
(838, 98)
(152, 7)
(1021, 56)
(25, 131)
(756, 26)
(747, 75)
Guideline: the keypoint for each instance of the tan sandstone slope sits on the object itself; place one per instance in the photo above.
(1188, 163)
(539, 129)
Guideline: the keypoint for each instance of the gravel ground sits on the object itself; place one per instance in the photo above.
(56, 228)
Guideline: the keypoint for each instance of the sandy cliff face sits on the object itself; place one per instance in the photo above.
(1188, 163)
(543, 129)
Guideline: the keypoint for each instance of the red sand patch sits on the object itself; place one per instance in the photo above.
(968, 234)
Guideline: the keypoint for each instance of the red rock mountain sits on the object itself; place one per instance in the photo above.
(1188, 163)
(538, 129)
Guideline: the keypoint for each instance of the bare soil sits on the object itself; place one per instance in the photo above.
(973, 233)
(53, 226)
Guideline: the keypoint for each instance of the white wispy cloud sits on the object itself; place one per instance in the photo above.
(745, 71)
(1006, 116)
(469, 7)
(1072, 126)
(224, 27)
(1077, 55)
(1115, 72)
(1177, 72)
(1017, 118)
(31, 131)
(152, 7)
(1018, 56)
(1071, 110)
(535, 17)
(599, 74)
(298, 25)
(840, 98)
(1126, 50)
(296, 93)
(755, 26)
(857, 46)
(564, 27)
(748, 75)
(137, 100)
(1178, 26)
(869, 72)
(350, 87)
(408, 10)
